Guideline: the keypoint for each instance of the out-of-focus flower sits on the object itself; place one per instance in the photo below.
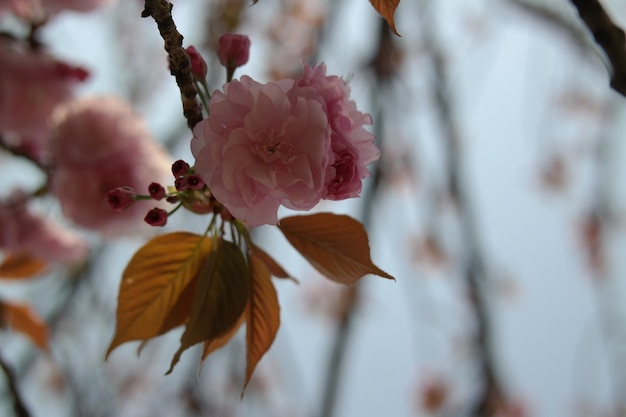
(32, 85)
(22, 232)
(352, 146)
(40, 9)
(99, 143)
(233, 50)
(258, 149)
(156, 217)
(198, 64)
(121, 198)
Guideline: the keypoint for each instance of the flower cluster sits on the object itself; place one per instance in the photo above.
(293, 143)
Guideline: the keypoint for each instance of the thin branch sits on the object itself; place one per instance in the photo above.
(18, 403)
(180, 66)
(608, 36)
(490, 393)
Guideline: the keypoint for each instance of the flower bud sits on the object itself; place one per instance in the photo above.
(198, 64)
(233, 51)
(180, 168)
(156, 217)
(121, 198)
(156, 191)
(181, 184)
(195, 182)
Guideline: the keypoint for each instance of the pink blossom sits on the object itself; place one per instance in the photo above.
(99, 144)
(32, 85)
(258, 149)
(352, 146)
(22, 232)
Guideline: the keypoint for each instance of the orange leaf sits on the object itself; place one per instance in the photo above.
(387, 8)
(155, 286)
(336, 245)
(263, 316)
(16, 266)
(271, 264)
(220, 298)
(24, 319)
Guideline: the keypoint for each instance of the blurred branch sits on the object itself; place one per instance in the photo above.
(18, 403)
(180, 66)
(334, 369)
(555, 19)
(491, 394)
(608, 36)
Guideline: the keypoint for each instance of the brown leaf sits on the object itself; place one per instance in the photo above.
(263, 316)
(24, 319)
(271, 264)
(18, 266)
(220, 298)
(387, 8)
(156, 286)
(336, 245)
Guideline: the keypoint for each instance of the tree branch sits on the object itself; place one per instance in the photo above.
(180, 66)
(608, 36)
(18, 403)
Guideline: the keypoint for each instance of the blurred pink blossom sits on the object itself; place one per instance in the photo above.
(40, 9)
(258, 150)
(32, 85)
(22, 232)
(352, 146)
(99, 144)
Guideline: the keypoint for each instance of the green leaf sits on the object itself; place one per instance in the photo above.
(152, 296)
(220, 297)
(262, 318)
(336, 245)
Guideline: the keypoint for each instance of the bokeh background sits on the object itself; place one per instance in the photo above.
(498, 204)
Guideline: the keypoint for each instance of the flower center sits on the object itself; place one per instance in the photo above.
(270, 147)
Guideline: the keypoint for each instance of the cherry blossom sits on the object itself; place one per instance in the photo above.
(258, 149)
(99, 144)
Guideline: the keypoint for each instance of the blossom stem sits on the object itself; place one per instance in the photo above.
(201, 93)
(174, 210)
(18, 402)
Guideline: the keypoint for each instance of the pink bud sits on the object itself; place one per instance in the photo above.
(180, 168)
(233, 50)
(156, 191)
(198, 64)
(69, 72)
(195, 182)
(156, 217)
(121, 198)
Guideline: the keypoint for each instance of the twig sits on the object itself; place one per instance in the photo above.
(18, 403)
(491, 393)
(345, 325)
(180, 66)
(608, 36)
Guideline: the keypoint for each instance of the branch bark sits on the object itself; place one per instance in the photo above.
(180, 65)
(609, 37)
